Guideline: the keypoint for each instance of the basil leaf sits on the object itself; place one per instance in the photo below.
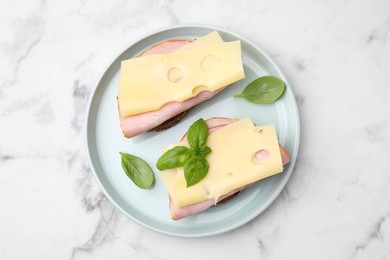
(173, 158)
(193, 159)
(204, 151)
(197, 134)
(195, 169)
(263, 90)
(137, 170)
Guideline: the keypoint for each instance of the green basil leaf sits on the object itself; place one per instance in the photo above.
(197, 134)
(173, 158)
(263, 90)
(195, 169)
(194, 159)
(137, 170)
(204, 151)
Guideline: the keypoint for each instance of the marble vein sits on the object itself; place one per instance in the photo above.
(374, 234)
(23, 44)
(89, 200)
(19, 61)
(6, 157)
(103, 231)
(261, 246)
(379, 132)
(287, 196)
(80, 97)
(300, 66)
(300, 99)
(25, 103)
(379, 33)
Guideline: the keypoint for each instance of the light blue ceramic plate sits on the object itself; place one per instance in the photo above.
(150, 207)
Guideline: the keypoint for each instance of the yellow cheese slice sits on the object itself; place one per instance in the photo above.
(206, 40)
(232, 163)
(147, 83)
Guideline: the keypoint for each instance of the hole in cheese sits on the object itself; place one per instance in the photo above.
(175, 75)
(198, 89)
(260, 156)
(208, 63)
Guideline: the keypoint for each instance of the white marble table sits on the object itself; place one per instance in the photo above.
(336, 54)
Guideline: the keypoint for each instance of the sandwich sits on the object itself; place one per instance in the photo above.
(241, 154)
(160, 85)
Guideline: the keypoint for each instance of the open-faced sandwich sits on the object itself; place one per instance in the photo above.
(159, 86)
(238, 154)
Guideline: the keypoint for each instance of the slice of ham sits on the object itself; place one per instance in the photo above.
(177, 213)
(214, 124)
(137, 124)
(166, 47)
(140, 123)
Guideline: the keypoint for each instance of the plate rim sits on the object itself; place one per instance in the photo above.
(274, 194)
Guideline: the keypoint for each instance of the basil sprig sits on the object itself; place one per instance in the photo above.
(193, 159)
(137, 170)
(264, 90)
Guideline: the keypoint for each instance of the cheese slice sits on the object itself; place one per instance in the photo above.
(206, 40)
(148, 83)
(232, 163)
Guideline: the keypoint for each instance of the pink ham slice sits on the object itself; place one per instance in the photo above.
(166, 47)
(140, 123)
(177, 213)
